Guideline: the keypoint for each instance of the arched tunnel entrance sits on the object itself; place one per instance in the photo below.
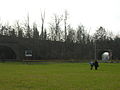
(6, 53)
(100, 52)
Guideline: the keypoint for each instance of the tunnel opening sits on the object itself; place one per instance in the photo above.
(101, 52)
(7, 54)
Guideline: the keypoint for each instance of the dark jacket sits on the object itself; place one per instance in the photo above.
(96, 64)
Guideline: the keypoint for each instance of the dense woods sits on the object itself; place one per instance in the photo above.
(62, 41)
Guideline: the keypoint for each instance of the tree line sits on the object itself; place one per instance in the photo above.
(75, 43)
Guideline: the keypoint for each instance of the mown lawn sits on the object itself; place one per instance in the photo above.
(59, 76)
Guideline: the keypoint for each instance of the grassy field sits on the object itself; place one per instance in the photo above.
(59, 76)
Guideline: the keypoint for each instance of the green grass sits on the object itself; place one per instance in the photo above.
(59, 76)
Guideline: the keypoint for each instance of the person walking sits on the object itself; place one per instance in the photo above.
(91, 65)
(96, 64)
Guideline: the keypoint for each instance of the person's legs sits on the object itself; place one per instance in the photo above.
(91, 67)
(95, 67)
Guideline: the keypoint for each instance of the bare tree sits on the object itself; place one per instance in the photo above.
(65, 23)
(42, 27)
(82, 35)
(19, 29)
(55, 27)
(52, 34)
(35, 31)
(0, 27)
(71, 35)
(100, 34)
(45, 35)
(27, 27)
(6, 29)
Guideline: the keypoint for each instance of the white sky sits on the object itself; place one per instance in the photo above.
(90, 13)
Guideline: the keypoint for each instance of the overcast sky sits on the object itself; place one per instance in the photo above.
(90, 13)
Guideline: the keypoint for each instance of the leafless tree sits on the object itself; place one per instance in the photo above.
(42, 27)
(71, 35)
(27, 27)
(55, 27)
(35, 31)
(100, 34)
(18, 29)
(65, 23)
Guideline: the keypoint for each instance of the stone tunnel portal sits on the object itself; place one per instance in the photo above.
(99, 54)
(6, 53)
